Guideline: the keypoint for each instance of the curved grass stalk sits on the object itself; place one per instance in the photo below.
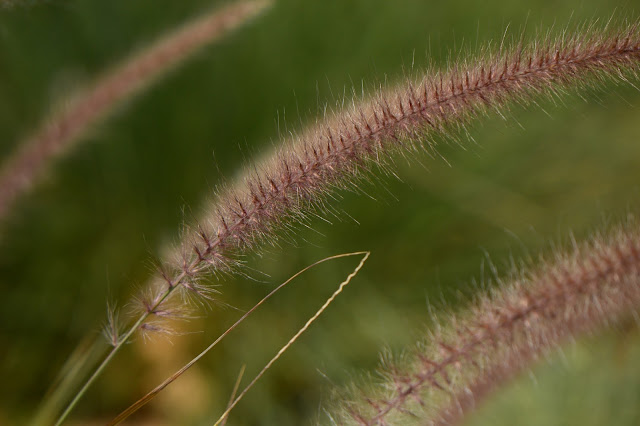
(89, 106)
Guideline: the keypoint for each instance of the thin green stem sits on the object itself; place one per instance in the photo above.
(99, 370)
(124, 339)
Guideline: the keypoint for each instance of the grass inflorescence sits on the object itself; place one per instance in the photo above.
(468, 354)
(301, 174)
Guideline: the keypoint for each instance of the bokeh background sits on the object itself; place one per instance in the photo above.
(94, 225)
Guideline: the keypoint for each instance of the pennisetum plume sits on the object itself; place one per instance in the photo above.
(87, 107)
(298, 177)
(470, 353)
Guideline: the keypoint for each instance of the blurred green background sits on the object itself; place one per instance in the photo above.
(92, 228)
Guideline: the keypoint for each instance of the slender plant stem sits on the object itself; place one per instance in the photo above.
(233, 393)
(98, 371)
(121, 341)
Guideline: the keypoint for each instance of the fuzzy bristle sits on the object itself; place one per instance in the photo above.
(111, 329)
